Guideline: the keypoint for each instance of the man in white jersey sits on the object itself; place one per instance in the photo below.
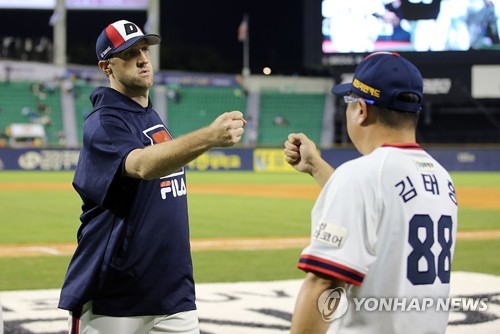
(384, 225)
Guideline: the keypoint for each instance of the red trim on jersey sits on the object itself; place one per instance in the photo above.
(114, 36)
(406, 146)
(75, 325)
(309, 268)
(317, 264)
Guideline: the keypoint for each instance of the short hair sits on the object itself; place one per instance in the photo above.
(395, 118)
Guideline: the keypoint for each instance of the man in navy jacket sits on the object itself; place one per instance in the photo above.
(132, 270)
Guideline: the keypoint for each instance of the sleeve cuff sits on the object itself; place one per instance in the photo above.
(315, 264)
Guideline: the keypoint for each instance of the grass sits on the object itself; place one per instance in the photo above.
(47, 272)
(32, 272)
(477, 256)
(35, 177)
(476, 179)
(236, 266)
(244, 177)
(475, 219)
(39, 216)
(248, 217)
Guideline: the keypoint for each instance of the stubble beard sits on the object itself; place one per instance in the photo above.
(136, 84)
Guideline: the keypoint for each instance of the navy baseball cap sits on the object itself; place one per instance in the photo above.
(119, 36)
(381, 77)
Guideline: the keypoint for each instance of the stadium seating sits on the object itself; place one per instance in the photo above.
(196, 107)
(83, 106)
(31, 102)
(188, 109)
(278, 113)
(282, 113)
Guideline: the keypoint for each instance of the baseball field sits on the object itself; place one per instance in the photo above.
(244, 226)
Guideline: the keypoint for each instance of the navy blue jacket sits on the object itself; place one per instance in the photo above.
(133, 256)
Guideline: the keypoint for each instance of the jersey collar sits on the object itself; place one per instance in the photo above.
(405, 146)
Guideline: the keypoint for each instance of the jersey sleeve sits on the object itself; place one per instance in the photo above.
(107, 141)
(343, 229)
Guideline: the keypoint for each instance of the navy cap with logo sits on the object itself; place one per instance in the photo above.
(119, 36)
(381, 77)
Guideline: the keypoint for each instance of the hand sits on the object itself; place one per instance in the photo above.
(300, 152)
(227, 129)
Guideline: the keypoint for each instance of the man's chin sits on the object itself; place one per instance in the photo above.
(146, 84)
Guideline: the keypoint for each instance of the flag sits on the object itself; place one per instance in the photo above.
(243, 29)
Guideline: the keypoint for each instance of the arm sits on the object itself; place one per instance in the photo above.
(162, 159)
(306, 316)
(301, 154)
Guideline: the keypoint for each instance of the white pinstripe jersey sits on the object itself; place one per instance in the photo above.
(386, 223)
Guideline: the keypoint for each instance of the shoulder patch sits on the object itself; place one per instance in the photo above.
(331, 234)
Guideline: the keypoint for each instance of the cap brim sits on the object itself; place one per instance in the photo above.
(342, 89)
(152, 39)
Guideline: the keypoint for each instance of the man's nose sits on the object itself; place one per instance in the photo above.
(144, 57)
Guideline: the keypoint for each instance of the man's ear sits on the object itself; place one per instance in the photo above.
(363, 112)
(104, 66)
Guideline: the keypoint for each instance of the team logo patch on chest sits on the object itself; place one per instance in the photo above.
(157, 134)
(173, 184)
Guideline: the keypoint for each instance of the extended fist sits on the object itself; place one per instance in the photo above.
(228, 128)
